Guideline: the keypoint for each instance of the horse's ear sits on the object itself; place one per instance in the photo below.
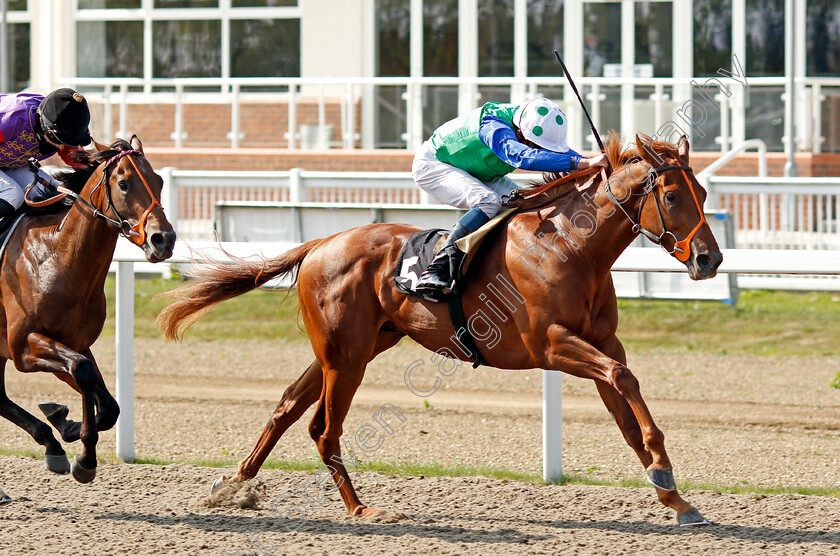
(683, 147)
(136, 144)
(99, 146)
(643, 146)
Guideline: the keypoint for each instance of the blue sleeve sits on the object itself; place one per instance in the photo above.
(500, 137)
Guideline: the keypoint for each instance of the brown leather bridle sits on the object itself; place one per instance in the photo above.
(136, 234)
(682, 248)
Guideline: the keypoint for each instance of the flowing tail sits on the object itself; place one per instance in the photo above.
(213, 282)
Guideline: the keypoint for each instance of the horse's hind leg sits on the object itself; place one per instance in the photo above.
(107, 409)
(297, 398)
(55, 458)
(295, 401)
(628, 423)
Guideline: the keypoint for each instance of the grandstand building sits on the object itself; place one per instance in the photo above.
(371, 79)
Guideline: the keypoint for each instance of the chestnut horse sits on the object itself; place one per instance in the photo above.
(557, 255)
(52, 294)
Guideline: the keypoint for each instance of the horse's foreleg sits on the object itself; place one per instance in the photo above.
(55, 458)
(326, 429)
(630, 429)
(572, 354)
(47, 355)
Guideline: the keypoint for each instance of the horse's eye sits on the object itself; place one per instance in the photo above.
(670, 197)
(124, 185)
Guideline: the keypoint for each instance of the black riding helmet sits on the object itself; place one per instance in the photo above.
(65, 117)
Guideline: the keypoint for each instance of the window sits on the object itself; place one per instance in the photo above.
(823, 35)
(186, 3)
(712, 36)
(602, 37)
(765, 37)
(264, 39)
(440, 37)
(495, 38)
(187, 48)
(654, 36)
(262, 3)
(108, 4)
(265, 48)
(545, 35)
(109, 49)
(18, 56)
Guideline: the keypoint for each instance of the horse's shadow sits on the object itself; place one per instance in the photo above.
(508, 535)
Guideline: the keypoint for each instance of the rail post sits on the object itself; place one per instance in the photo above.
(125, 360)
(552, 413)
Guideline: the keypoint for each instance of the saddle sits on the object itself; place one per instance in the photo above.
(419, 251)
(41, 198)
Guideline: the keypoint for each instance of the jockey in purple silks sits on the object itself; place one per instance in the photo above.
(466, 161)
(34, 126)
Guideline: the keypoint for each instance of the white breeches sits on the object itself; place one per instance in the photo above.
(14, 181)
(455, 187)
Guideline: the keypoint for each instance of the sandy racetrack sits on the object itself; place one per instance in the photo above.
(768, 422)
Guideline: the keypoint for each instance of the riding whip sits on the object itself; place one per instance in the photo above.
(585, 111)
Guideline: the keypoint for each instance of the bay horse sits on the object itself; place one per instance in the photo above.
(52, 298)
(557, 255)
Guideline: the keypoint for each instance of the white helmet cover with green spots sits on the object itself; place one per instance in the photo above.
(543, 123)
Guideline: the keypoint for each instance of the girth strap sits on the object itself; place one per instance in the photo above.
(462, 329)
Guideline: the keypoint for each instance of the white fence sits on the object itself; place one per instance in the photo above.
(633, 259)
(769, 213)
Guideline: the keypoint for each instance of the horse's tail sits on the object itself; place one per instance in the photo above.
(213, 282)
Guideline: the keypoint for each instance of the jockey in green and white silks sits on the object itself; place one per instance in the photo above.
(466, 161)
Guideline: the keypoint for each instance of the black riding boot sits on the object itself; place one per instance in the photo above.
(439, 275)
(6, 209)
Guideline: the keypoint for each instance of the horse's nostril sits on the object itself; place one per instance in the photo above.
(162, 240)
(704, 261)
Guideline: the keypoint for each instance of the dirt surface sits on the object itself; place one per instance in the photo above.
(729, 421)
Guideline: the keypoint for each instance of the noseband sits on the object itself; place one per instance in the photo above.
(682, 248)
(135, 234)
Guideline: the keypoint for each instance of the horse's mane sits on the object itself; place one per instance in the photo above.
(619, 155)
(76, 178)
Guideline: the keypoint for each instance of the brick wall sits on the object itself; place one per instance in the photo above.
(400, 160)
(265, 125)
(261, 124)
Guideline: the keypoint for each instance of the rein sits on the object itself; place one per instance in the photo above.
(136, 234)
(531, 193)
(682, 248)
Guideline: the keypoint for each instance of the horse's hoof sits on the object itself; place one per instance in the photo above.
(691, 517)
(57, 463)
(370, 512)
(661, 478)
(53, 410)
(82, 473)
(218, 484)
(4, 498)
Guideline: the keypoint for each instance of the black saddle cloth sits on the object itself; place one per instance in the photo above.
(415, 256)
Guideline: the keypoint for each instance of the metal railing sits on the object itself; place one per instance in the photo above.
(768, 212)
(655, 103)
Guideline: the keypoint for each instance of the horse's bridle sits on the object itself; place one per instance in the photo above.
(135, 234)
(682, 248)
